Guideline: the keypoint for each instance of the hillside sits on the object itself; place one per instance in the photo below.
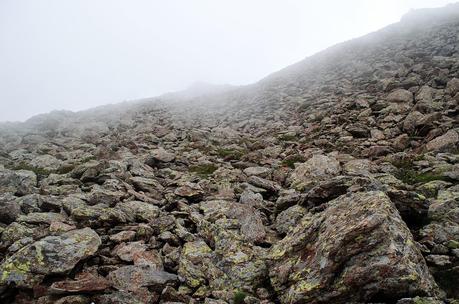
(334, 180)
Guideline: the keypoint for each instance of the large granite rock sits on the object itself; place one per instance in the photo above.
(48, 256)
(358, 249)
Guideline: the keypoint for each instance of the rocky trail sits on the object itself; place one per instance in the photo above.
(335, 180)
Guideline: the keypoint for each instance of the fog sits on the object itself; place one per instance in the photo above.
(78, 54)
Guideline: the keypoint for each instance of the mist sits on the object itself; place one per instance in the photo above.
(79, 54)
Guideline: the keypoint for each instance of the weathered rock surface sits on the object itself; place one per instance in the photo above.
(359, 239)
(334, 180)
(51, 255)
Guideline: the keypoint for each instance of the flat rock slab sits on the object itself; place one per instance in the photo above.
(132, 278)
(358, 249)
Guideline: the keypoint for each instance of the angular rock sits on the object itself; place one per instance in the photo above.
(10, 209)
(118, 297)
(126, 252)
(98, 215)
(21, 182)
(264, 184)
(190, 191)
(316, 169)
(248, 218)
(447, 141)
(46, 162)
(257, 171)
(132, 278)
(41, 218)
(139, 211)
(400, 95)
(159, 156)
(84, 282)
(453, 86)
(358, 249)
(48, 256)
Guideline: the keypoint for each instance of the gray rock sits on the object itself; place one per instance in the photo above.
(400, 96)
(373, 249)
(21, 182)
(447, 141)
(132, 278)
(48, 256)
(139, 211)
(316, 169)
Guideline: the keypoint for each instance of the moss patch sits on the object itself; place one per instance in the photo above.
(410, 176)
(230, 154)
(407, 174)
(290, 161)
(239, 297)
(203, 170)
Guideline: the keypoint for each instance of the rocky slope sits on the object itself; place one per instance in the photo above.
(334, 180)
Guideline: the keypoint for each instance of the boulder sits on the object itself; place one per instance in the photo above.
(49, 256)
(10, 209)
(84, 282)
(400, 96)
(317, 168)
(159, 157)
(138, 211)
(133, 278)
(20, 182)
(46, 162)
(357, 250)
(445, 142)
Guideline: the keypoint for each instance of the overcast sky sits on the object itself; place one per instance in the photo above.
(77, 54)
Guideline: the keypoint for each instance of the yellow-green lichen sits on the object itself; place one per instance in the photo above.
(305, 286)
(14, 268)
(277, 252)
(40, 256)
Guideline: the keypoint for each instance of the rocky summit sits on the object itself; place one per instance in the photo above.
(335, 180)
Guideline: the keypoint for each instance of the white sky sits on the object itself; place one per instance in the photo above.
(77, 54)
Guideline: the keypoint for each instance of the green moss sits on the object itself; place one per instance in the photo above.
(290, 161)
(452, 244)
(239, 297)
(410, 176)
(230, 154)
(407, 174)
(203, 170)
(419, 300)
(66, 169)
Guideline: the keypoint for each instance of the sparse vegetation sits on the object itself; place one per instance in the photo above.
(291, 160)
(66, 169)
(230, 154)
(203, 170)
(409, 175)
(239, 297)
